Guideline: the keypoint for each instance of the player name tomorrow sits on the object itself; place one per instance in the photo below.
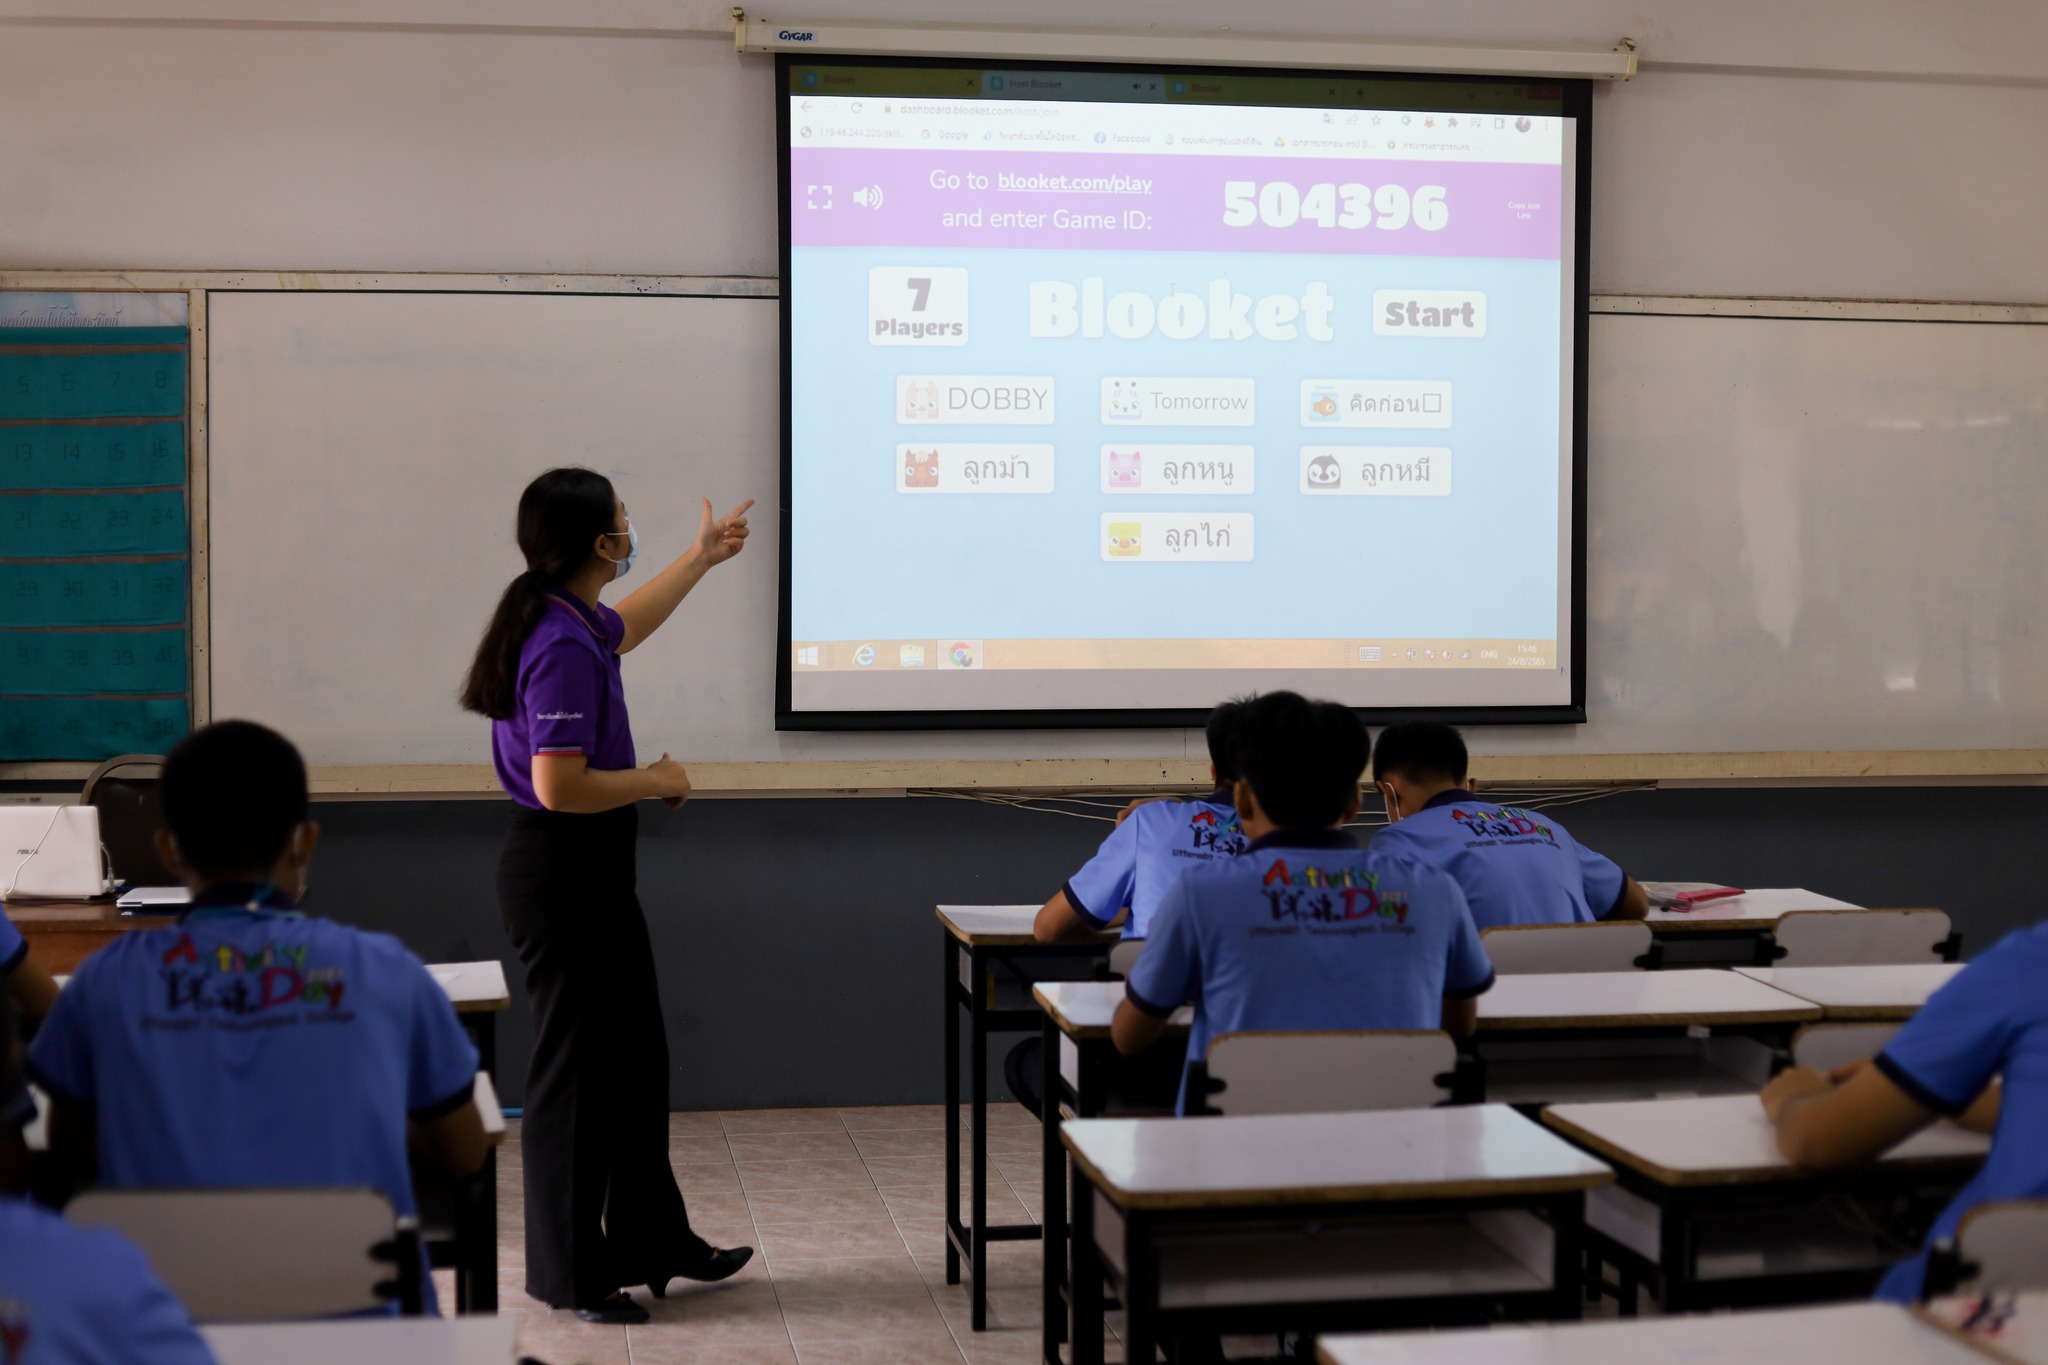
(1200, 401)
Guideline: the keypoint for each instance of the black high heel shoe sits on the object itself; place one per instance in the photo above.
(615, 1311)
(717, 1265)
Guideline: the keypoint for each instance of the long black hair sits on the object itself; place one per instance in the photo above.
(561, 515)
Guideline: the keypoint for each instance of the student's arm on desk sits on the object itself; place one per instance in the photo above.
(34, 991)
(1461, 1016)
(567, 782)
(1634, 902)
(1058, 922)
(1826, 1125)
(453, 1141)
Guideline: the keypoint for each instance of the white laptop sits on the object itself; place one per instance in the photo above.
(51, 851)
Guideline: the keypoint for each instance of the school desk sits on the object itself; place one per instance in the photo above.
(353, 1341)
(1865, 1333)
(991, 957)
(2011, 1328)
(1730, 931)
(1894, 991)
(1706, 1206)
(1078, 1054)
(466, 1211)
(1315, 1222)
(1544, 1038)
(63, 932)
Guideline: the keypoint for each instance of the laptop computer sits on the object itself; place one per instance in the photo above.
(51, 851)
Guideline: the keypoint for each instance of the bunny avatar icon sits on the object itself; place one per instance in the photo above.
(921, 402)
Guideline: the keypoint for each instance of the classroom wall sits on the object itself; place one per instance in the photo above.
(1847, 149)
(800, 959)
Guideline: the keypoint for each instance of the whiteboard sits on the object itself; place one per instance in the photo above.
(1803, 535)
(366, 453)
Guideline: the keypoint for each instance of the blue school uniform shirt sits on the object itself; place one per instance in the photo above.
(84, 1296)
(1143, 855)
(1515, 866)
(1990, 1020)
(244, 1047)
(1307, 931)
(569, 697)
(13, 948)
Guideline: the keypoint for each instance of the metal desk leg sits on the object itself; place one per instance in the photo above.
(1141, 1290)
(1085, 1277)
(950, 984)
(1568, 1265)
(1053, 1186)
(977, 1064)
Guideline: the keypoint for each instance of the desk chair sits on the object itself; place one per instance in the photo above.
(1124, 956)
(1861, 938)
(1827, 1046)
(1323, 1073)
(259, 1255)
(1609, 946)
(125, 792)
(1998, 1248)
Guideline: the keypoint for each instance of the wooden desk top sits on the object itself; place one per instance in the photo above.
(475, 987)
(1868, 1333)
(1006, 926)
(100, 910)
(487, 1107)
(1748, 912)
(1274, 1160)
(1725, 1140)
(349, 1341)
(1084, 1009)
(2015, 1333)
(1888, 992)
(1610, 1000)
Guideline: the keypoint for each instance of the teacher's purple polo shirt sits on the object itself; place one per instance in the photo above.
(569, 698)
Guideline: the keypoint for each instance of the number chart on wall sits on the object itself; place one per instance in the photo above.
(1113, 392)
(93, 558)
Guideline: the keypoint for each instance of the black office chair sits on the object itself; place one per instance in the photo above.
(124, 791)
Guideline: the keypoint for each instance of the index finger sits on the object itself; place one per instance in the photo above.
(739, 511)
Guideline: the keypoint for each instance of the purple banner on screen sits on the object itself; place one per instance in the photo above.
(1090, 202)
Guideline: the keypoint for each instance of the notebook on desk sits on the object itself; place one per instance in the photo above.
(51, 851)
(153, 900)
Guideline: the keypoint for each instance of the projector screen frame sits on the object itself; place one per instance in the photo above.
(1577, 106)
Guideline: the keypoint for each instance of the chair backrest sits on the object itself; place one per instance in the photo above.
(1860, 938)
(2003, 1247)
(1609, 946)
(1827, 1046)
(1124, 956)
(125, 792)
(261, 1255)
(1327, 1073)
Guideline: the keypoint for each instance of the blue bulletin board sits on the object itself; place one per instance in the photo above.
(95, 543)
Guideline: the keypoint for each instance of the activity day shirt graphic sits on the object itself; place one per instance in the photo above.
(1105, 378)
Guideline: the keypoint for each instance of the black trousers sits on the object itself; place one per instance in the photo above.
(602, 1206)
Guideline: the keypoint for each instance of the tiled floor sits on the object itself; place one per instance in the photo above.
(846, 1208)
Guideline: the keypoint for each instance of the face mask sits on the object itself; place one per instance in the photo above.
(622, 567)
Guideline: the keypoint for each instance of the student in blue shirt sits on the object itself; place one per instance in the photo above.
(1515, 866)
(73, 1296)
(1153, 842)
(247, 1044)
(1304, 930)
(1977, 1052)
(28, 982)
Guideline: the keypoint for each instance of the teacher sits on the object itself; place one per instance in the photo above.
(602, 1207)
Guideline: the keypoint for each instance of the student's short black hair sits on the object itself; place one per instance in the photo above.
(1421, 751)
(1218, 732)
(233, 793)
(1302, 758)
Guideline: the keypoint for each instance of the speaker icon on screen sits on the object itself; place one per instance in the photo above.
(868, 196)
